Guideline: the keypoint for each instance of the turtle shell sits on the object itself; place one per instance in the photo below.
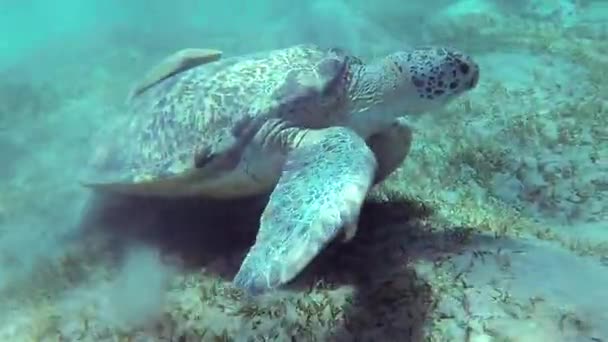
(178, 126)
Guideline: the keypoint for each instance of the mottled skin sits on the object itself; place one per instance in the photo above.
(316, 128)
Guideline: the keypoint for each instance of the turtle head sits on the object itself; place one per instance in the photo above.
(427, 78)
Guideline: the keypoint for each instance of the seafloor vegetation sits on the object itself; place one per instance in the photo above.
(495, 228)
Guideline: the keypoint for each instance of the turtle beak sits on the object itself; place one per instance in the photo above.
(474, 78)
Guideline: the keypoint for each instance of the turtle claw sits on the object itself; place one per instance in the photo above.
(350, 230)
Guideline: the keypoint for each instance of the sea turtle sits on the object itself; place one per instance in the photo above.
(314, 128)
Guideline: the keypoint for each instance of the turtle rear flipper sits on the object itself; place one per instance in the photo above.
(321, 190)
(175, 63)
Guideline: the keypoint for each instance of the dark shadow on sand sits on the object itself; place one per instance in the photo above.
(391, 301)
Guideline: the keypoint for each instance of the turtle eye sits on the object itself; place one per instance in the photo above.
(464, 68)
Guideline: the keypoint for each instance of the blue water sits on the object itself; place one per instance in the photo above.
(495, 228)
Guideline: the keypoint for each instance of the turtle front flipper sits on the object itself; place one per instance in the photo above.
(322, 187)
